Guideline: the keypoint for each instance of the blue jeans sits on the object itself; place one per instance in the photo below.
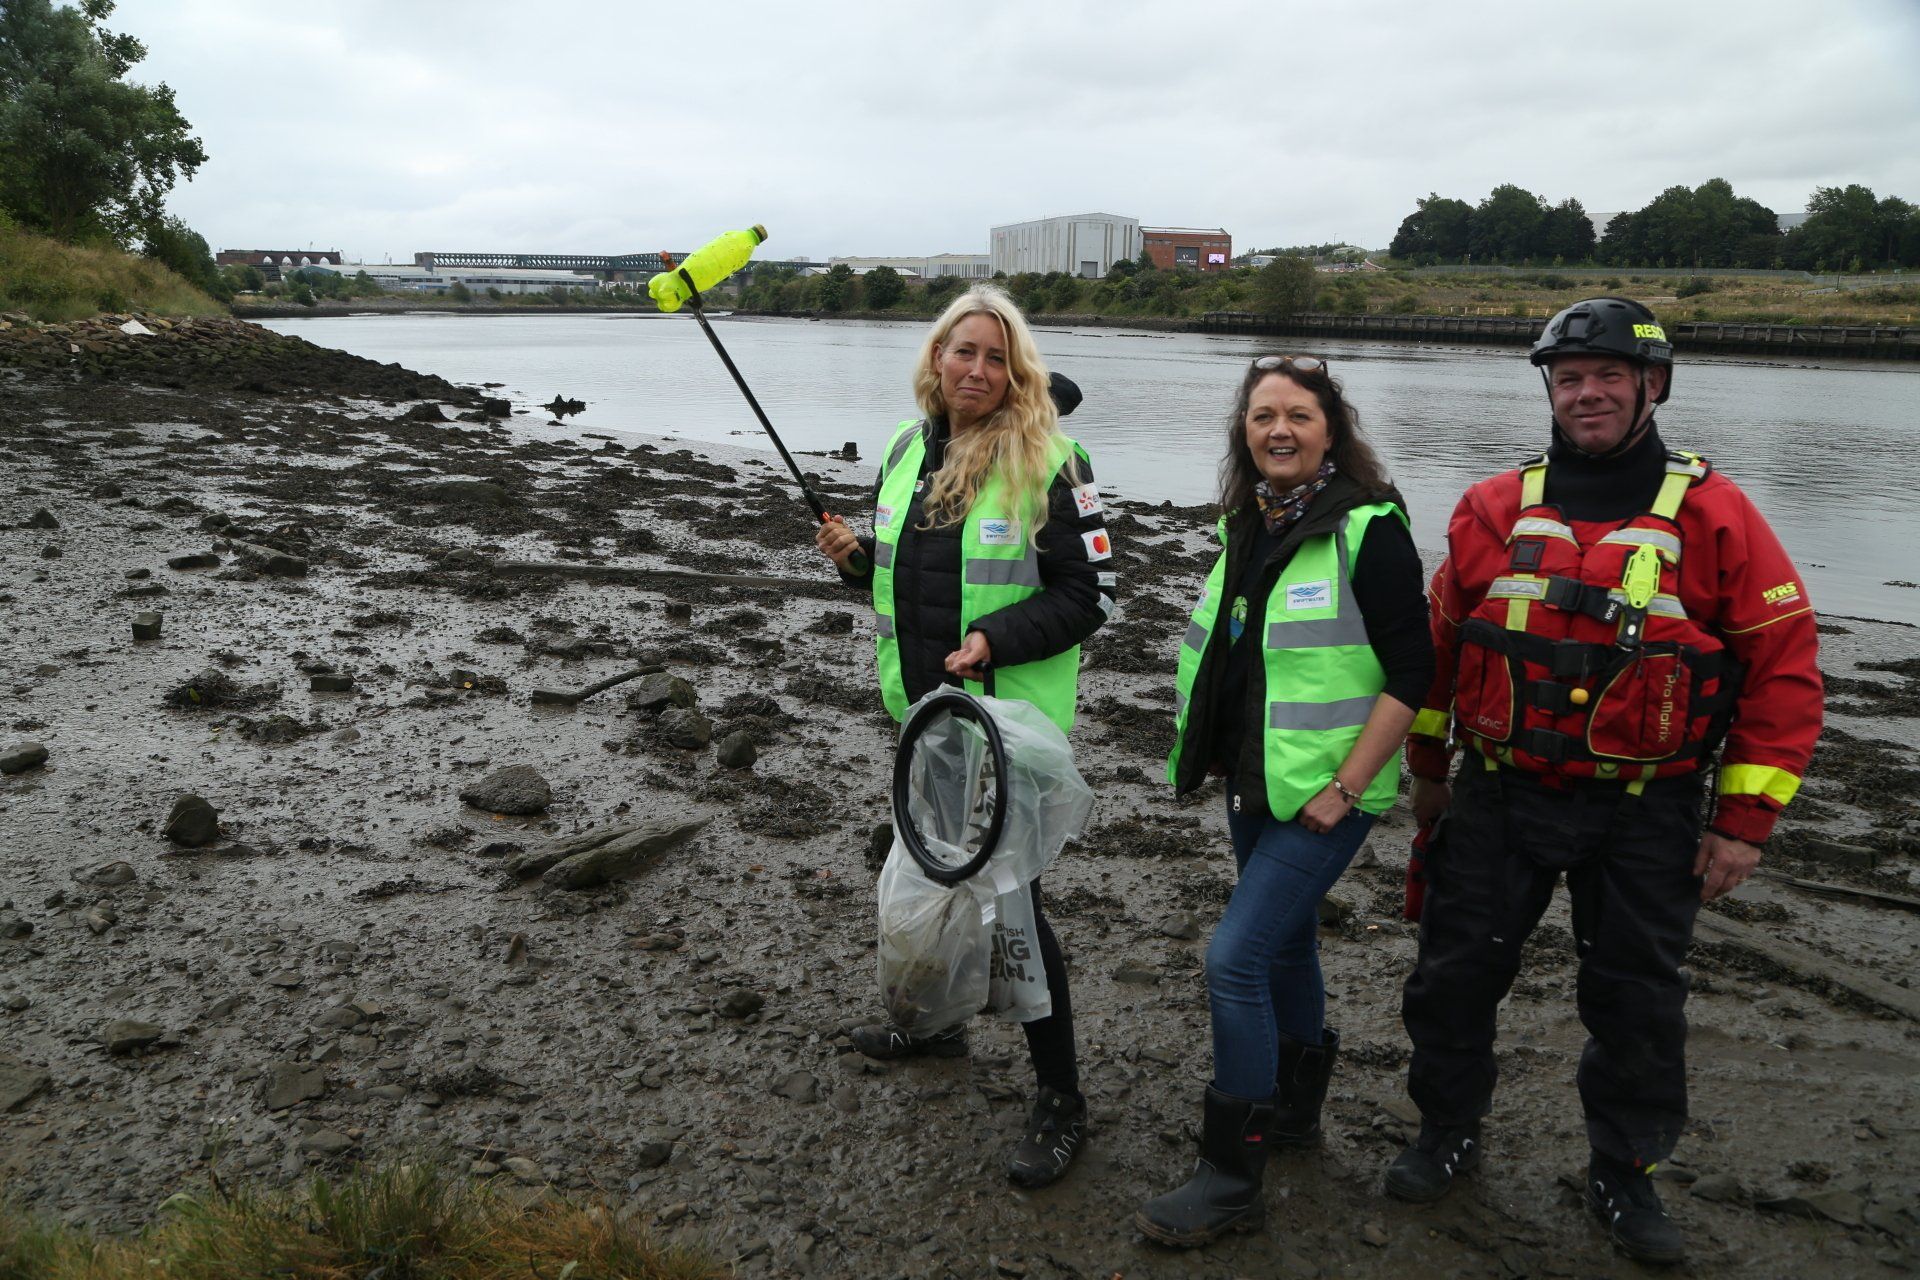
(1263, 964)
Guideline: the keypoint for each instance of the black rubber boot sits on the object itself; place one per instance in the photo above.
(1054, 1136)
(1224, 1192)
(1425, 1171)
(1623, 1198)
(1300, 1087)
(885, 1041)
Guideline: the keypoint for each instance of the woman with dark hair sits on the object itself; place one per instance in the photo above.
(1298, 679)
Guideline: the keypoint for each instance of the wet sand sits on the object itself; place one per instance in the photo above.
(350, 971)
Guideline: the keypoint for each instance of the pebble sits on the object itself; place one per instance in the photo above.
(1183, 925)
(1721, 1188)
(293, 1082)
(146, 626)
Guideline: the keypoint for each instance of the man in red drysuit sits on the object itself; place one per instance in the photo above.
(1609, 618)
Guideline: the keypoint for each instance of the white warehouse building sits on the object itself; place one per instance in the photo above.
(418, 279)
(967, 266)
(1082, 245)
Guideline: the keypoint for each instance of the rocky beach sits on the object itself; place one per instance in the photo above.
(297, 870)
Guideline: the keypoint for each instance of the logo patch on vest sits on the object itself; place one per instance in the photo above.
(882, 517)
(1086, 500)
(1310, 595)
(1099, 547)
(999, 533)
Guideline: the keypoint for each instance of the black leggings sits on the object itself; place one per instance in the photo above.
(1050, 1039)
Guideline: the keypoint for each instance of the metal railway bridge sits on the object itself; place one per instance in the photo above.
(626, 266)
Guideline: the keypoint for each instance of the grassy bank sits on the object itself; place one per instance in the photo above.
(1181, 295)
(416, 1221)
(56, 282)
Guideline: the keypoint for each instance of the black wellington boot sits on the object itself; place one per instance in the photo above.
(1224, 1192)
(1623, 1198)
(1300, 1087)
(1425, 1171)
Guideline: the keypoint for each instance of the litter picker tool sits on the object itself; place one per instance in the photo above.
(702, 269)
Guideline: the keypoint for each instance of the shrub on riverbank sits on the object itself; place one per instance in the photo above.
(403, 1220)
(55, 282)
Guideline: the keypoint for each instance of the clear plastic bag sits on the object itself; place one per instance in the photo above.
(949, 952)
(934, 948)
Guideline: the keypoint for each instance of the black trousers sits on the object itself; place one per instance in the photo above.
(1050, 1039)
(1628, 861)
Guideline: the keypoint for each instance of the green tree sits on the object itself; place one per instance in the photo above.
(82, 152)
(1841, 225)
(1145, 261)
(1566, 233)
(459, 292)
(1436, 231)
(834, 289)
(177, 246)
(884, 287)
(1506, 225)
(1284, 287)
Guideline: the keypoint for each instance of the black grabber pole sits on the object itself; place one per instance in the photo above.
(857, 562)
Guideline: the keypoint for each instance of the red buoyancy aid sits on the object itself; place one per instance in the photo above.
(1581, 659)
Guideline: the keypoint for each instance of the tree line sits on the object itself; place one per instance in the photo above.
(1847, 229)
(85, 156)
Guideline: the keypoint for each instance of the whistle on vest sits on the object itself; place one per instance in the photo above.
(1638, 584)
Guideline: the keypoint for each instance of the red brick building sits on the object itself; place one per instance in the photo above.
(1196, 248)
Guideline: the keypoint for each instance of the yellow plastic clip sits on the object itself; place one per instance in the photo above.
(1642, 578)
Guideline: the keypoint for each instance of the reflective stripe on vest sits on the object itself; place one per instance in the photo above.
(995, 573)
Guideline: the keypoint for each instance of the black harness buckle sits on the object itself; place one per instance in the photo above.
(1576, 596)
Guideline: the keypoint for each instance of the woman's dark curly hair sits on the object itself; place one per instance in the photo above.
(1348, 448)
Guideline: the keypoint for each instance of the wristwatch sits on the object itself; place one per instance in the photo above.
(1341, 787)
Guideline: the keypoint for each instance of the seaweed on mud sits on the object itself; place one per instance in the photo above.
(215, 690)
(1152, 836)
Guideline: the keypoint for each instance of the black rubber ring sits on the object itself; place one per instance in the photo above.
(966, 707)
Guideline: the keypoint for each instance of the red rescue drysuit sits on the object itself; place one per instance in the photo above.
(1625, 649)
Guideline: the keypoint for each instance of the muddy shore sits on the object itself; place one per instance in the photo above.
(350, 967)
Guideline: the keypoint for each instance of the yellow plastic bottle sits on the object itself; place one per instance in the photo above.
(706, 267)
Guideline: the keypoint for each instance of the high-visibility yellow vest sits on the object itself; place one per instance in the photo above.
(999, 566)
(1322, 677)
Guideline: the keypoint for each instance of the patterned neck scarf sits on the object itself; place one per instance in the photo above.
(1283, 509)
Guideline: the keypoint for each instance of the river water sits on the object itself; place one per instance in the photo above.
(1826, 451)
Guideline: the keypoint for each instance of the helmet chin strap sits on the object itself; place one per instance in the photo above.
(1627, 441)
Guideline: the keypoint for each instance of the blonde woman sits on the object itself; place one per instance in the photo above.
(989, 548)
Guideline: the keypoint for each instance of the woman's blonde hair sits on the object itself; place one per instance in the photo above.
(1016, 440)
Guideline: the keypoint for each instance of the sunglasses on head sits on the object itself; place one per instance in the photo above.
(1299, 364)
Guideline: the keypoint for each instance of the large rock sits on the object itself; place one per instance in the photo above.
(124, 1035)
(655, 693)
(42, 519)
(425, 413)
(293, 1082)
(518, 788)
(631, 854)
(18, 1083)
(22, 757)
(192, 822)
(736, 751)
(685, 728)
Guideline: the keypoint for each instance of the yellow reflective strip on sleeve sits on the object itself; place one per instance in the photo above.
(1429, 723)
(1776, 785)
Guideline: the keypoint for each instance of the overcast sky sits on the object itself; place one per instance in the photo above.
(385, 127)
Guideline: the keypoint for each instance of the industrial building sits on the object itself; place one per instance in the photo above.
(967, 266)
(419, 279)
(273, 262)
(1082, 245)
(1195, 248)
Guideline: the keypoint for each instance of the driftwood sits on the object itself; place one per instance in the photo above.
(1851, 892)
(648, 576)
(564, 698)
(1807, 963)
